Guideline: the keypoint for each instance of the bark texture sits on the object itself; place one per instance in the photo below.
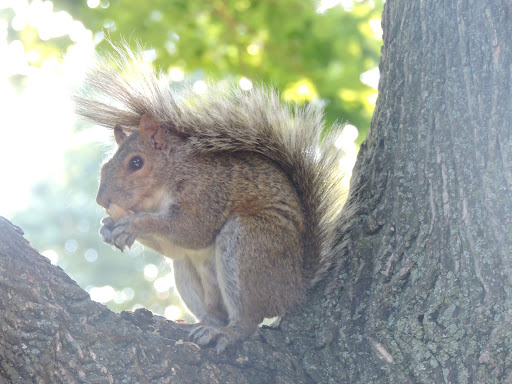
(422, 291)
(428, 280)
(51, 332)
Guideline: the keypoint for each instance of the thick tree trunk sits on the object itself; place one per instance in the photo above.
(427, 284)
(423, 293)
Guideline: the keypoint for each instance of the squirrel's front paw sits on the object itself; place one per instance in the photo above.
(106, 230)
(124, 232)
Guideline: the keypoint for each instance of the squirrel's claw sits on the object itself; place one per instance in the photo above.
(221, 337)
(117, 234)
(124, 233)
(205, 334)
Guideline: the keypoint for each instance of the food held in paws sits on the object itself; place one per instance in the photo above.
(116, 212)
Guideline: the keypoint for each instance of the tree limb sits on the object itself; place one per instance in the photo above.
(52, 332)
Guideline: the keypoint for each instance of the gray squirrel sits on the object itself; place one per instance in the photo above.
(240, 190)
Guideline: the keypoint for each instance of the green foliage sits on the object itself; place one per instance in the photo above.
(281, 43)
(309, 55)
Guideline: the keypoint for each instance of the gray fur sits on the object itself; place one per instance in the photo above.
(121, 87)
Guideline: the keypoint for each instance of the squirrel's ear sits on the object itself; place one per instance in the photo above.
(119, 134)
(150, 130)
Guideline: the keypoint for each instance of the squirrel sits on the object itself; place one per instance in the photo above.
(240, 190)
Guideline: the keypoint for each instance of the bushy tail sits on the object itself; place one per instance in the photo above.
(122, 87)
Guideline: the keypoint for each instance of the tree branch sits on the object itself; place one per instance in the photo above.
(52, 332)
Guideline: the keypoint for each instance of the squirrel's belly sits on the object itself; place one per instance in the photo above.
(172, 251)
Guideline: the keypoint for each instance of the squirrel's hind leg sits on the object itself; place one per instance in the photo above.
(250, 252)
(200, 293)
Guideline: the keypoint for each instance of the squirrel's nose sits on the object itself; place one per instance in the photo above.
(102, 198)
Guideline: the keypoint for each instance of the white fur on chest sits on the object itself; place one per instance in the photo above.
(174, 252)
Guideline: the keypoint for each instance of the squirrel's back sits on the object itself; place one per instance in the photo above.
(122, 87)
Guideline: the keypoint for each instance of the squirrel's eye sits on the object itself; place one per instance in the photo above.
(136, 163)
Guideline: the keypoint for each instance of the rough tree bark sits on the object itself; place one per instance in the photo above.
(423, 291)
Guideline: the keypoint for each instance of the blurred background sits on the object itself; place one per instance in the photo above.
(324, 52)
